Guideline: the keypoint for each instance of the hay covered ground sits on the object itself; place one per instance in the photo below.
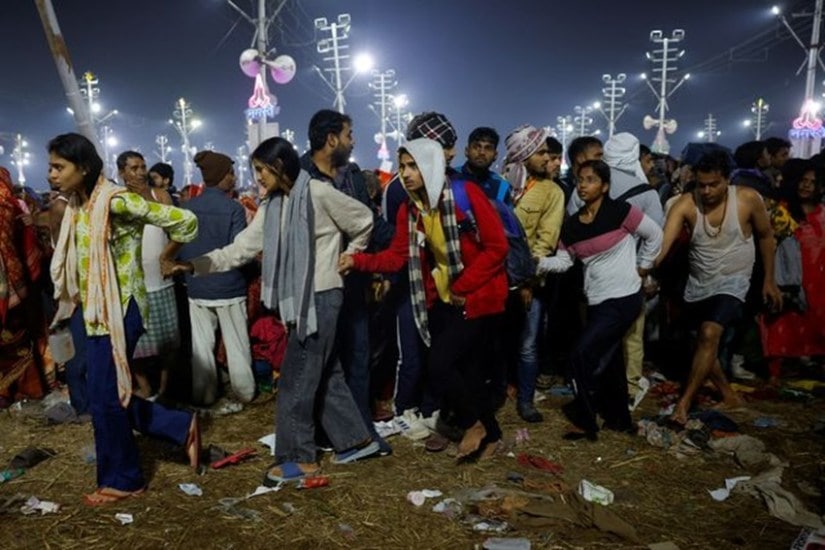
(664, 496)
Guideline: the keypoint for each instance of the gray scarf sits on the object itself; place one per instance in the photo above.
(287, 279)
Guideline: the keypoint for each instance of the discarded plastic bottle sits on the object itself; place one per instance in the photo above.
(313, 482)
(8, 475)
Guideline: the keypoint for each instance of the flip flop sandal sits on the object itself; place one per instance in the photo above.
(101, 497)
(31, 457)
(436, 443)
(290, 471)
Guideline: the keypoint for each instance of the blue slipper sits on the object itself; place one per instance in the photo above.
(290, 471)
(356, 454)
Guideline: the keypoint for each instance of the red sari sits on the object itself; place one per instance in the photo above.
(794, 334)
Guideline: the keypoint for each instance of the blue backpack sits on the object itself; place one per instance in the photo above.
(520, 265)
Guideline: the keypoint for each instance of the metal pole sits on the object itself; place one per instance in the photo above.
(759, 120)
(339, 92)
(663, 87)
(262, 49)
(60, 52)
(611, 123)
(813, 52)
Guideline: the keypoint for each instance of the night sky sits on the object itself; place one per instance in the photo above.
(481, 62)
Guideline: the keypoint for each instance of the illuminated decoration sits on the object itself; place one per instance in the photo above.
(808, 125)
(261, 106)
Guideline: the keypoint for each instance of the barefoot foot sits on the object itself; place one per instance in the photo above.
(471, 440)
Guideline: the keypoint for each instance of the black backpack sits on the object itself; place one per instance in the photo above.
(519, 264)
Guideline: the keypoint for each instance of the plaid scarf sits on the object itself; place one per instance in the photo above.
(446, 207)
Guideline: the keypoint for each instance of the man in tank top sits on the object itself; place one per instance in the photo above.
(723, 220)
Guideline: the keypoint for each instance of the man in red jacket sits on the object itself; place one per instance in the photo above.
(457, 283)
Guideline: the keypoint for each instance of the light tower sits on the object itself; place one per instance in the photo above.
(254, 61)
(613, 94)
(335, 51)
(185, 123)
(242, 166)
(20, 157)
(382, 83)
(399, 103)
(564, 128)
(664, 61)
(807, 131)
(91, 92)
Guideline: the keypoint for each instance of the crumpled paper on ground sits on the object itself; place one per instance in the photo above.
(722, 494)
(747, 450)
(781, 503)
(34, 505)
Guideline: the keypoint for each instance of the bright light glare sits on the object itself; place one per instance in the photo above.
(597, 105)
(95, 107)
(747, 124)
(700, 134)
(687, 76)
(643, 76)
(111, 141)
(196, 123)
(775, 10)
(363, 63)
(400, 101)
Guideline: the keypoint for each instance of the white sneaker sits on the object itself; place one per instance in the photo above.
(644, 386)
(430, 421)
(412, 425)
(738, 370)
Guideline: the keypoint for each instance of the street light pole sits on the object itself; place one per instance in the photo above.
(583, 120)
(163, 147)
(613, 95)
(334, 46)
(185, 124)
(710, 132)
(20, 157)
(382, 83)
(666, 58)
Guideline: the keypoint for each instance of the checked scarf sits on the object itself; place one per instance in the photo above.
(446, 207)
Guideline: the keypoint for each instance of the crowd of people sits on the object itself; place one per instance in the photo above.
(426, 298)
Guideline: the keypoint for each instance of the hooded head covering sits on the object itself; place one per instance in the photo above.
(429, 156)
(214, 166)
(621, 152)
(521, 144)
(434, 126)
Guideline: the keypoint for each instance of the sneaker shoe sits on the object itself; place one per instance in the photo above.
(528, 412)
(430, 421)
(738, 370)
(644, 386)
(358, 453)
(412, 425)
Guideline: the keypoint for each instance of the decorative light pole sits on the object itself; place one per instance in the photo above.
(335, 51)
(664, 60)
(163, 149)
(254, 61)
(185, 124)
(242, 166)
(759, 118)
(710, 132)
(582, 120)
(613, 93)
(564, 128)
(399, 103)
(382, 83)
(20, 157)
(808, 130)
(90, 90)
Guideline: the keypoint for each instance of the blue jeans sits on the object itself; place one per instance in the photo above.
(528, 365)
(312, 385)
(76, 366)
(118, 460)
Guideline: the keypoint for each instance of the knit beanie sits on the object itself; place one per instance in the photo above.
(433, 126)
(214, 166)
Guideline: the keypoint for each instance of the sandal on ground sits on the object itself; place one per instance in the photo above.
(286, 471)
(107, 495)
(436, 443)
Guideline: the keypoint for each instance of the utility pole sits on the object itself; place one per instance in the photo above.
(808, 131)
(564, 128)
(664, 60)
(710, 132)
(582, 120)
(399, 103)
(20, 157)
(163, 148)
(185, 124)
(91, 92)
(336, 51)
(242, 166)
(759, 118)
(613, 93)
(382, 83)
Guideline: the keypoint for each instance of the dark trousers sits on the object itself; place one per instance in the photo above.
(354, 343)
(460, 368)
(411, 389)
(76, 366)
(597, 365)
(118, 460)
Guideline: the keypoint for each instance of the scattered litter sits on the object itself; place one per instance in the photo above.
(8, 475)
(346, 530)
(124, 519)
(722, 494)
(450, 507)
(595, 493)
(235, 458)
(191, 489)
(498, 543)
(766, 422)
(230, 407)
(748, 451)
(522, 436)
(263, 489)
(667, 545)
(268, 441)
(491, 525)
(667, 411)
(386, 428)
(804, 385)
(419, 497)
(30, 457)
(61, 413)
(88, 454)
(540, 463)
(644, 387)
(230, 506)
(288, 507)
(809, 539)
(656, 435)
(34, 505)
(313, 482)
(515, 477)
(781, 503)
